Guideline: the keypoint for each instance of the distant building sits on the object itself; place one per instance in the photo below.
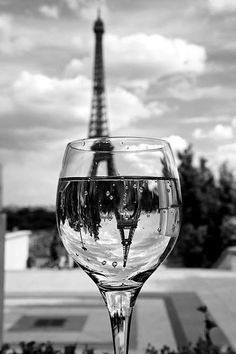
(17, 249)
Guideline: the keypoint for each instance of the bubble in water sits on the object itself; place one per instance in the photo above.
(86, 193)
(168, 190)
(141, 189)
(114, 264)
(104, 262)
(126, 187)
(107, 193)
(134, 186)
(85, 205)
(113, 185)
(111, 197)
(159, 229)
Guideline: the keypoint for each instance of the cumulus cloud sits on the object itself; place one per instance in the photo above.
(149, 56)
(49, 11)
(51, 106)
(185, 87)
(124, 107)
(39, 92)
(220, 131)
(134, 61)
(74, 67)
(10, 42)
(177, 143)
(222, 6)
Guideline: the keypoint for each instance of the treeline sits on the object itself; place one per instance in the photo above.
(209, 212)
(28, 218)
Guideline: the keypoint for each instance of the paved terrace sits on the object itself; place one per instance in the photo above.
(65, 307)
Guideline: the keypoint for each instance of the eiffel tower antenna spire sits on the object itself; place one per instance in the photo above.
(99, 11)
(98, 126)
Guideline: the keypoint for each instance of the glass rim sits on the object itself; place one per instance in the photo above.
(152, 144)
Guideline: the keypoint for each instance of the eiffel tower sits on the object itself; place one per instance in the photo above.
(98, 128)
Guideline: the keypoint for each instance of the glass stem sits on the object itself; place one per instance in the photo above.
(120, 306)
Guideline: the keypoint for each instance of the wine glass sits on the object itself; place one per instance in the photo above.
(118, 215)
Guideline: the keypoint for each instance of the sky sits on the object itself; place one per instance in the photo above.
(170, 72)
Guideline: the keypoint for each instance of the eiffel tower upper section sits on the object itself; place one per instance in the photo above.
(98, 126)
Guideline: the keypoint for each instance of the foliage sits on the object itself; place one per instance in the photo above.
(208, 205)
(203, 345)
(30, 218)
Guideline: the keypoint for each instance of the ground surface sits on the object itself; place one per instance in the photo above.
(65, 307)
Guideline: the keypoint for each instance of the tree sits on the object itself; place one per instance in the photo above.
(208, 205)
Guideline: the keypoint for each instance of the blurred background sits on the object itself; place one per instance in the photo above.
(169, 72)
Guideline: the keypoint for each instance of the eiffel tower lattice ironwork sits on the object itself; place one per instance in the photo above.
(98, 126)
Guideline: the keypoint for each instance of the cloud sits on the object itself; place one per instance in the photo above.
(39, 109)
(125, 108)
(145, 161)
(234, 122)
(74, 68)
(177, 143)
(185, 87)
(220, 131)
(49, 107)
(11, 42)
(41, 93)
(222, 6)
(49, 11)
(136, 60)
(205, 120)
(87, 8)
(227, 153)
(149, 56)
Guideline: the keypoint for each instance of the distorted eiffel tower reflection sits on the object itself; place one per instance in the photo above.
(102, 147)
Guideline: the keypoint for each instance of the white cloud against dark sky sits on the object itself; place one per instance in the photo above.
(170, 72)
